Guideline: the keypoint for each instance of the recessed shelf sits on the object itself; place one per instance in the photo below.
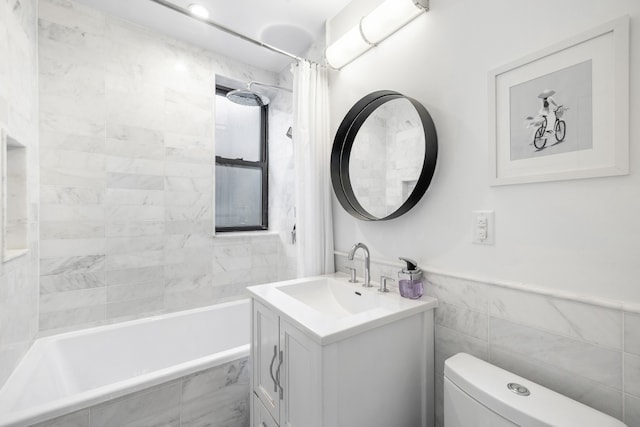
(14, 195)
(10, 254)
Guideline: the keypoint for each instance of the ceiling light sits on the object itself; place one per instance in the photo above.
(383, 21)
(199, 11)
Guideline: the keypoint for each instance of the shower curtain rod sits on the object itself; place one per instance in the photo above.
(217, 26)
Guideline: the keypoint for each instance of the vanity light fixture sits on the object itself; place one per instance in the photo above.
(198, 10)
(383, 21)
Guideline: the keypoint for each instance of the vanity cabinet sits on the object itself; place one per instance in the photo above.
(285, 374)
(380, 377)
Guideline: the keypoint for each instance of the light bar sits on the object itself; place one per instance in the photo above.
(347, 48)
(383, 21)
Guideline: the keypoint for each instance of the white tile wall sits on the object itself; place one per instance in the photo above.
(632, 410)
(632, 333)
(570, 318)
(127, 174)
(19, 115)
(582, 348)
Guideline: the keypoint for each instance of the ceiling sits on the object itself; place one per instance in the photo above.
(291, 25)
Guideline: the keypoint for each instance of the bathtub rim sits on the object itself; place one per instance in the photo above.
(139, 321)
(102, 394)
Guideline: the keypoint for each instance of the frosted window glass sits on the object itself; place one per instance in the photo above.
(237, 130)
(238, 196)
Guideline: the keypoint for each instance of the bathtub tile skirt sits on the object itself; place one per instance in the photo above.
(215, 397)
(159, 406)
(76, 419)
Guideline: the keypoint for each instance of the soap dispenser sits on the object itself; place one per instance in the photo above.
(410, 280)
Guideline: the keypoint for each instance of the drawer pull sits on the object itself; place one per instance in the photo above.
(278, 375)
(275, 382)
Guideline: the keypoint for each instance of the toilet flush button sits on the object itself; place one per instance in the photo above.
(518, 389)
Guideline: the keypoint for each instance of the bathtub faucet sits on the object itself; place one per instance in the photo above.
(367, 275)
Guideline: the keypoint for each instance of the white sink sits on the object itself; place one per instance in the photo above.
(331, 297)
(329, 308)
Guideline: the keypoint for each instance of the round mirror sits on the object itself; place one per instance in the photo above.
(383, 156)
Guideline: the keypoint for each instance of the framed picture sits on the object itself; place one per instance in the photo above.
(562, 113)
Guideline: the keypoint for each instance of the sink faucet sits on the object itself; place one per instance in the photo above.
(352, 252)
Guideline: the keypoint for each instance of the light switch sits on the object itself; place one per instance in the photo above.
(483, 231)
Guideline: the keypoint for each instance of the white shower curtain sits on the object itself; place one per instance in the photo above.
(312, 148)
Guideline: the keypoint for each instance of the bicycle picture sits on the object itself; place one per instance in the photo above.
(559, 130)
(541, 123)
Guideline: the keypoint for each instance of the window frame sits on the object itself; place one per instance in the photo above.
(262, 164)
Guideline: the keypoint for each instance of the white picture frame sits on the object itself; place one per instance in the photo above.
(591, 73)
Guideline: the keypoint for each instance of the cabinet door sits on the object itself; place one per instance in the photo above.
(300, 377)
(261, 417)
(265, 336)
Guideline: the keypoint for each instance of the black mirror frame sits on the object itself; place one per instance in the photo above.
(341, 153)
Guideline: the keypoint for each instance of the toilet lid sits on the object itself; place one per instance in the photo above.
(489, 385)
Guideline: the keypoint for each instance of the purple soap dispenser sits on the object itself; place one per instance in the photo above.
(410, 280)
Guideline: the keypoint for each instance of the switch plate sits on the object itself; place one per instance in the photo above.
(483, 231)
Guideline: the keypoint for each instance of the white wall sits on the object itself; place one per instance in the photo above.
(577, 236)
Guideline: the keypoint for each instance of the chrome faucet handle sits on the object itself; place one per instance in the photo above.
(352, 272)
(383, 283)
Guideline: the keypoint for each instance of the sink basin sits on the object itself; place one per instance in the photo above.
(329, 308)
(331, 297)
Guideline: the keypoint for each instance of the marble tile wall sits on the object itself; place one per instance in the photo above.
(19, 116)
(583, 348)
(127, 175)
(217, 397)
(282, 178)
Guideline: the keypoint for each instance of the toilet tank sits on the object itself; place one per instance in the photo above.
(477, 394)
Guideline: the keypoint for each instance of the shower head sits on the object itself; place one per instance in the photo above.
(251, 98)
(247, 97)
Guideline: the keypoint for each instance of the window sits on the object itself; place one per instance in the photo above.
(241, 165)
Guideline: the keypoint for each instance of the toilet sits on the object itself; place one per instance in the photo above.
(478, 394)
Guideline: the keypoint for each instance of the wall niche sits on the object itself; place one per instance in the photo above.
(14, 197)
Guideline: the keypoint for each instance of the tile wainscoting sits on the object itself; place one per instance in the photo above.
(582, 347)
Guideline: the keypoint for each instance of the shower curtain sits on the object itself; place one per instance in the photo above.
(312, 148)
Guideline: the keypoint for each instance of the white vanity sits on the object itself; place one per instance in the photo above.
(329, 353)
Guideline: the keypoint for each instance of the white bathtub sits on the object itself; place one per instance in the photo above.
(64, 373)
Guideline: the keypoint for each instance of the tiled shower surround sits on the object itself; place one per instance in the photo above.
(216, 397)
(584, 348)
(19, 116)
(126, 196)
